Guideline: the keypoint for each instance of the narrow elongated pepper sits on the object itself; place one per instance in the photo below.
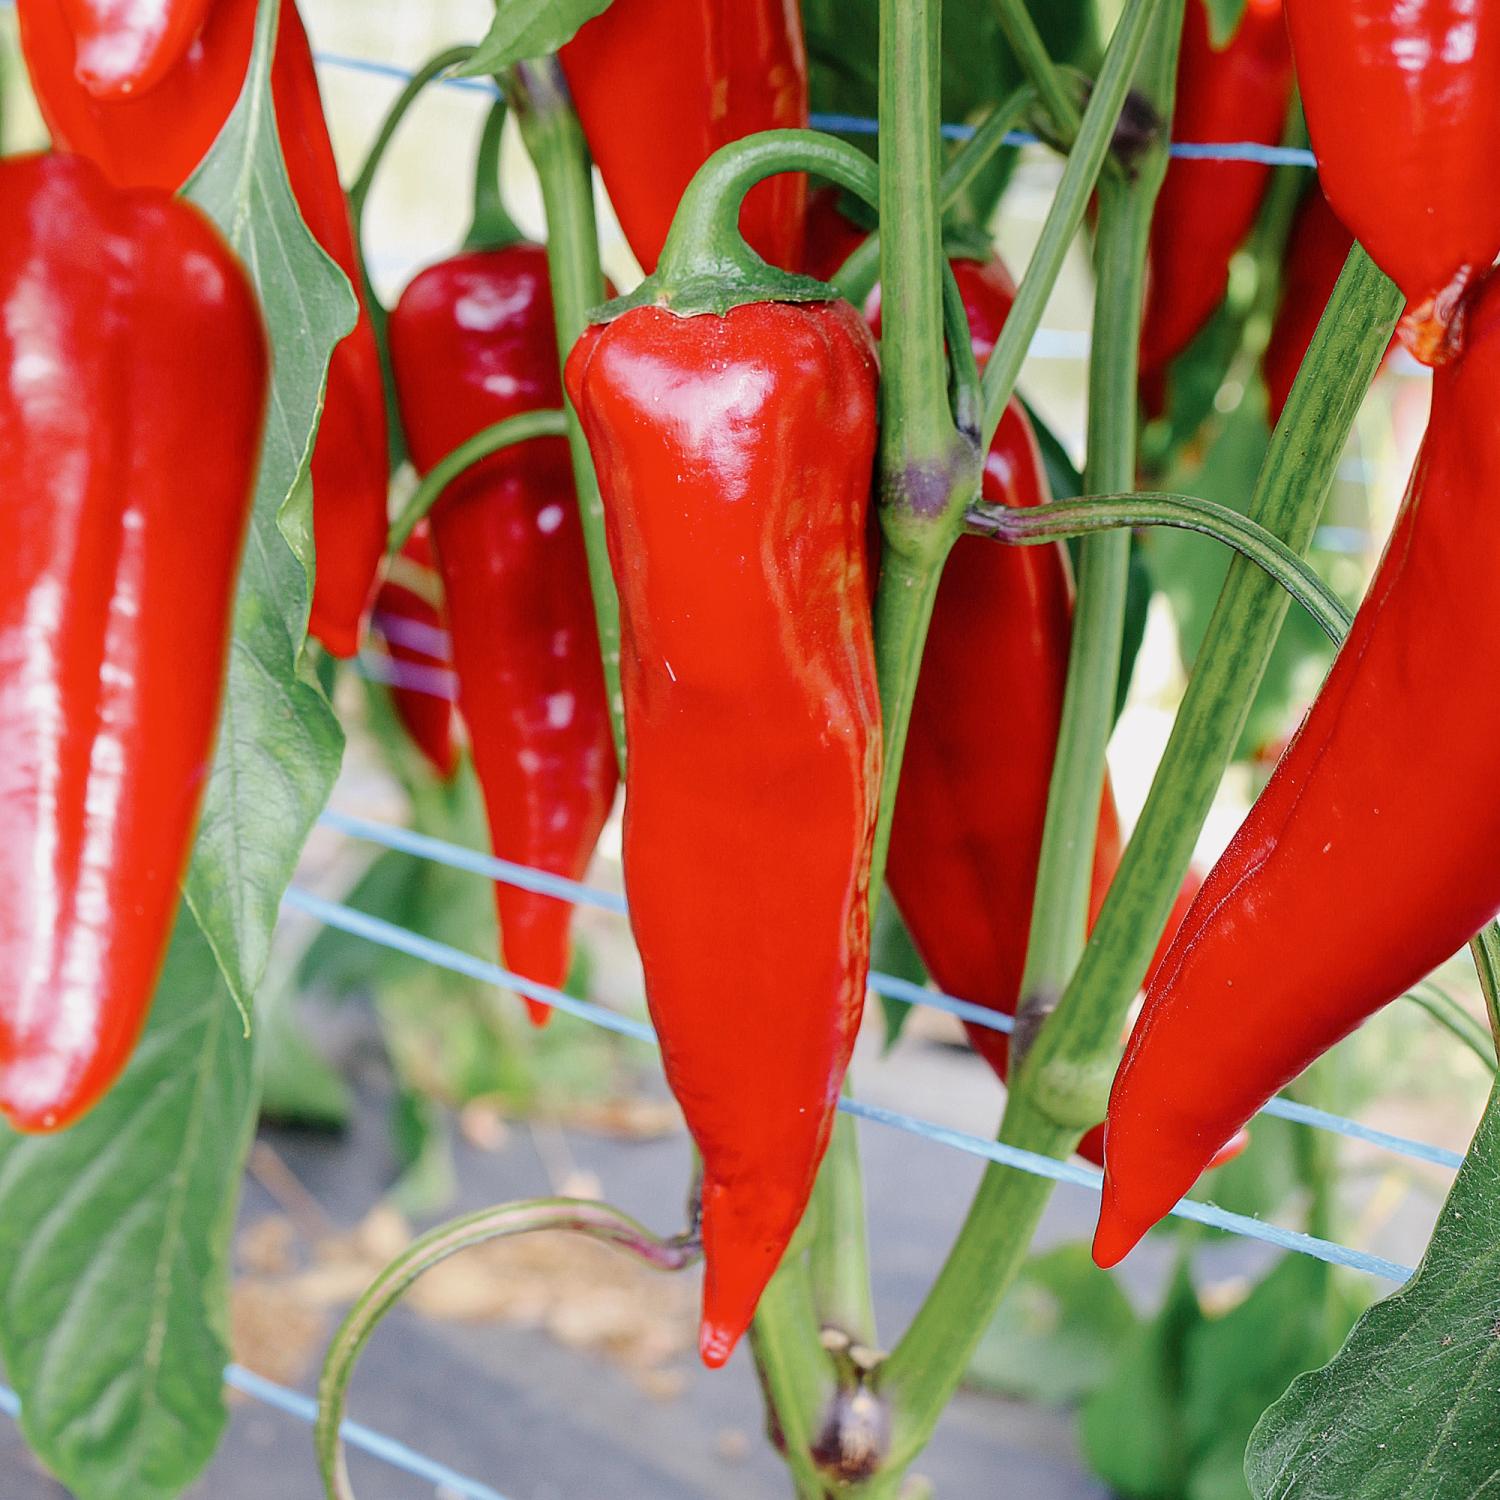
(473, 342)
(735, 456)
(155, 139)
(126, 47)
(1372, 854)
(133, 374)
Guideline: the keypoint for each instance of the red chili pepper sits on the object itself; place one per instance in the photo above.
(1206, 209)
(127, 46)
(735, 456)
(409, 615)
(155, 138)
(1403, 109)
(473, 342)
(134, 384)
(1370, 856)
(660, 85)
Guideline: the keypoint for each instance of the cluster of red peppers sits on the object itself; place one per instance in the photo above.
(1372, 854)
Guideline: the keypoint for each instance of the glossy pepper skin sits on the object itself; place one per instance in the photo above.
(1372, 853)
(472, 343)
(156, 138)
(660, 85)
(126, 47)
(409, 617)
(133, 373)
(735, 455)
(1403, 107)
(1206, 209)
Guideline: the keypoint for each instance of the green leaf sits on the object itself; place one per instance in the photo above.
(1131, 1428)
(279, 743)
(1411, 1404)
(114, 1250)
(1060, 1328)
(529, 28)
(297, 1086)
(1238, 1364)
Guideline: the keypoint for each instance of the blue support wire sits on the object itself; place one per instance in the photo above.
(423, 846)
(441, 955)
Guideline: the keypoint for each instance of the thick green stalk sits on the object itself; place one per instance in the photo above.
(555, 143)
(1288, 502)
(927, 1364)
(1085, 162)
(838, 1249)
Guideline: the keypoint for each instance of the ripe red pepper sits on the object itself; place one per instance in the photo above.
(472, 343)
(409, 616)
(127, 46)
(1370, 856)
(1206, 209)
(660, 85)
(735, 456)
(1404, 114)
(155, 138)
(133, 374)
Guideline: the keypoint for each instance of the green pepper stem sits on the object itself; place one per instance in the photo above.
(432, 69)
(1061, 519)
(492, 227)
(518, 429)
(554, 140)
(597, 1221)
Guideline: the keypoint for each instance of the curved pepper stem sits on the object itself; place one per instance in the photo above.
(492, 228)
(521, 429)
(597, 1221)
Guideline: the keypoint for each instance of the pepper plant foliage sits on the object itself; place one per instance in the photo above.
(135, 1204)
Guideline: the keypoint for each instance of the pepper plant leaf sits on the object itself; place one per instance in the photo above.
(279, 744)
(1411, 1404)
(529, 28)
(114, 1250)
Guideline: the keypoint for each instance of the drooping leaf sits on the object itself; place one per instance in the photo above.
(114, 1250)
(1411, 1404)
(1057, 1333)
(279, 743)
(529, 28)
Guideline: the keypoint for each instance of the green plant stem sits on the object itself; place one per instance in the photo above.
(856, 278)
(433, 68)
(359, 196)
(838, 1249)
(598, 1221)
(1036, 62)
(927, 1364)
(1059, 520)
(1288, 502)
(1085, 161)
(555, 143)
(1064, 872)
(530, 424)
(1486, 951)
